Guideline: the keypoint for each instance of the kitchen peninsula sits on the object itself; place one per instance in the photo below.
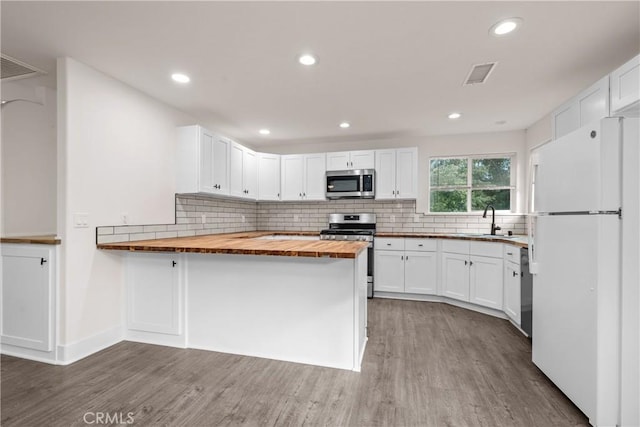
(258, 294)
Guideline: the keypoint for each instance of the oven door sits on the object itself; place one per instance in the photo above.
(343, 184)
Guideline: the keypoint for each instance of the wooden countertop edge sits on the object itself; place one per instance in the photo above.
(451, 236)
(33, 240)
(235, 251)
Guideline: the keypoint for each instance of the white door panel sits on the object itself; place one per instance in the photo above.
(564, 297)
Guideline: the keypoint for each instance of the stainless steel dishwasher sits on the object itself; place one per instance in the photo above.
(526, 288)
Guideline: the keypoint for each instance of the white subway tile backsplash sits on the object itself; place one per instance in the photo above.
(226, 216)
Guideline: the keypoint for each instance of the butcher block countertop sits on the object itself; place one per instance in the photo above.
(517, 240)
(34, 240)
(245, 244)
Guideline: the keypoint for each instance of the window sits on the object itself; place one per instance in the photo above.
(466, 184)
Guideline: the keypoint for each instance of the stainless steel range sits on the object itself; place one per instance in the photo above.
(354, 227)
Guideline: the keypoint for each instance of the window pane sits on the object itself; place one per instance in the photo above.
(448, 172)
(491, 172)
(449, 201)
(500, 199)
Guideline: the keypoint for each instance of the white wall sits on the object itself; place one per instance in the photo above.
(28, 160)
(432, 146)
(116, 155)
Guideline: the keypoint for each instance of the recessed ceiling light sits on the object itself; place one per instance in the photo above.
(505, 26)
(307, 59)
(264, 131)
(345, 125)
(455, 115)
(180, 78)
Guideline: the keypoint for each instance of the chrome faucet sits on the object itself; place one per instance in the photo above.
(494, 227)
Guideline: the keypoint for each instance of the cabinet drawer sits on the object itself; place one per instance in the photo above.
(389, 244)
(489, 249)
(512, 254)
(455, 246)
(430, 245)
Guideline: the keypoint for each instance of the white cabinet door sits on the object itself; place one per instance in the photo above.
(220, 174)
(268, 176)
(250, 174)
(362, 159)
(385, 174)
(154, 294)
(207, 156)
(338, 161)
(292, 177)
(407, 173)
(455, 276)
(486, 281)
(315, 169)
(236, 187)
(389, 268)
(420, 272)
(512, 291)
(588, 106)
(28, 297)
(625, 86)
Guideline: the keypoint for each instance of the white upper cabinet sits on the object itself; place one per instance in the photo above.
(303, 177)
(202, 161)
(268, 176)
(397, 173)
(590, 105)
(243, 167)
(625, 87)
(351, 160)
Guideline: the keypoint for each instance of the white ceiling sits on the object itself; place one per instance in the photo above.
(390, 68)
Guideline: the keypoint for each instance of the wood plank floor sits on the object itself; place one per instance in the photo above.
(426, 364)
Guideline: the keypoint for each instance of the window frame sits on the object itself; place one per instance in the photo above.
(468, 187)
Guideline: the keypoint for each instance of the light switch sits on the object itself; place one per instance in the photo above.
(81, 220)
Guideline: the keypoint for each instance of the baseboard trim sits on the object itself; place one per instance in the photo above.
(70, 353)
(29, 354)
(438, 298)
(177, 341)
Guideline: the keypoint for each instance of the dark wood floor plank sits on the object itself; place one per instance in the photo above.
(426, 364)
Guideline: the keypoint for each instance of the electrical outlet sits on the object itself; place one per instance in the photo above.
(392, 218)
(203, 217)
(81, 220)
(124, 217)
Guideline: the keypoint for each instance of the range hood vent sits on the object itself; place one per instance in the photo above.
(479, 73)
(12, 69)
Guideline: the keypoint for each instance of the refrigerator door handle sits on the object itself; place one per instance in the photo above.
(531, 247)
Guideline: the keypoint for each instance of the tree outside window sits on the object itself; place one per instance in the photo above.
(466, 184)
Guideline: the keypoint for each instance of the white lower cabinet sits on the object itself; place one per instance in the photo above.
(28, 296)
(473, 272)
(512, 277)
(406, 271)
(455, 276)
(155, 293)
(485, 281)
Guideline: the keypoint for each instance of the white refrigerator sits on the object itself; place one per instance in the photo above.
(575, 255)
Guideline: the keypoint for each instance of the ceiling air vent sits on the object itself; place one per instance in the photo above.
(479, 73)
(12, 69)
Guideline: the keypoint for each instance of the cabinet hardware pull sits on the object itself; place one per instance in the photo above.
(304, 194)
(401, 257)
(42, 261)
(509, 253)
(420, 245)
(406, 257)
(515, 274)
(278, 195)
(465, 262)
(470, 263)
(388, 244)
(173, 263)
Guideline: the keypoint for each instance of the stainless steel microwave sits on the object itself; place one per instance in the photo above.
(351, 184)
